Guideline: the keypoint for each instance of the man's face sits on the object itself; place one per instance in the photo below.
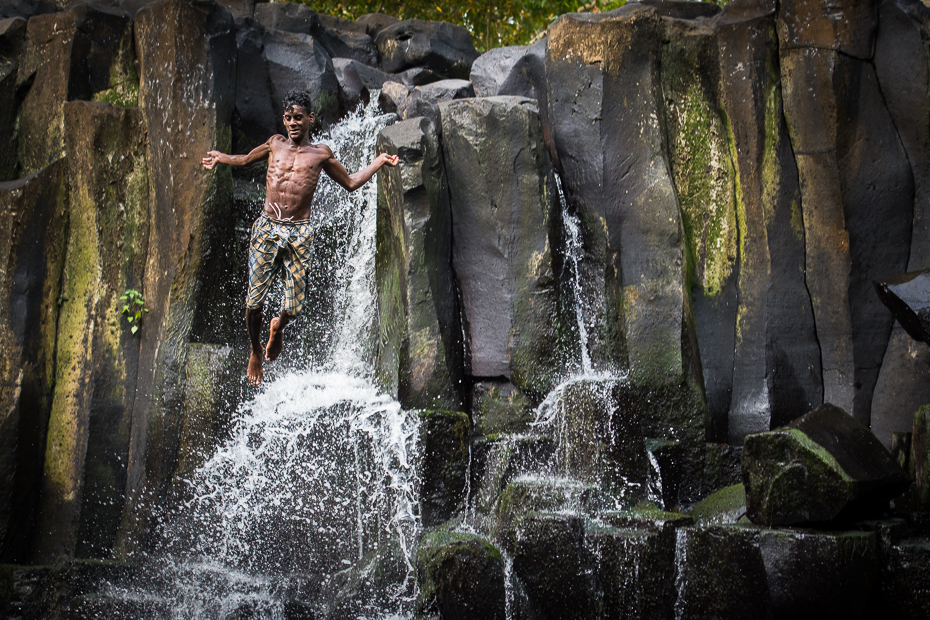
(297, 122)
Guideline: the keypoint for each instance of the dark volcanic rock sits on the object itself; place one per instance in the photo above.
(254, 118)
(187, 56)
(76, 54)
(504, 215)
(725, 506)
(34, 240)
(446, 90)
(920, 460)
(499, 407)
(12, 36)
(556, 568)
(821, 466)
(287, 16)
(352, 90)
(98, 355)
(901, 63)
(375, 22)
(461, 576)
(908, 298)
(370, 77)
(26, 8)
(847, 27)
(491, 69)
(815, 574)
(721, 574)
(603, 100)
(420, 356)
(441, 47)
(418, 76)
(299, 61)
(444, 439)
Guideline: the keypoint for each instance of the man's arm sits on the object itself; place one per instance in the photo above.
(257, 154)
(352, 182)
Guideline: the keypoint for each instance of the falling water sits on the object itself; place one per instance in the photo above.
(573, 254)
(316, 478)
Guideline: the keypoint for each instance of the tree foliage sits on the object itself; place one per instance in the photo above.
(492, 23)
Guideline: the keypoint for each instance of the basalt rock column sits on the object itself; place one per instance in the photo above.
(97, 355)
(420, 357)
(901, 64)
(76, 54)
(186, 56)
(12, 35)
(34, 238)
(776, 370)
(504, 220)
(605, 106)
(856, 189)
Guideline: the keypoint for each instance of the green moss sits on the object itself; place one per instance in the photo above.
(723, 506)
(124, 80)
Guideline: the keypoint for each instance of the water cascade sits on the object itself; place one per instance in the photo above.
(317, 475)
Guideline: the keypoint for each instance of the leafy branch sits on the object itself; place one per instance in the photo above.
(133, 308)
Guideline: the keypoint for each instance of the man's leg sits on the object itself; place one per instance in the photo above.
(253, 322)
(276, 337)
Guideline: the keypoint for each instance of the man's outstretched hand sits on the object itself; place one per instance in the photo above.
(212, 158)
(384, 158)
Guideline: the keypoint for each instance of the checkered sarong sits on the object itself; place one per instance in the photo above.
(276, 244)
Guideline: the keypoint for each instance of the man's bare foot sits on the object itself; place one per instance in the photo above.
(255, 374)
(275, 340)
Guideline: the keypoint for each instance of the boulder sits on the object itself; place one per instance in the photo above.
(26, 8)
(299, 61)
(528, 494)
(418, 76)
(12, 36)
(420, 354)
(491, 69)
(848, 27)
(722, 467)
(76, 54)
(97, 353)
(287, 16)
(908, 297)
(375, 22)
(444, 450)
(822, 466)
(370, 77)
(499, 407)
(254, 117)
(555, 568)
(34, 238)
(505, 225)
(815, 574)
(372, 583)
(439, 46)
(906, 578)
(727, 505)
(445, 90)
(500, 460)
(352, 90)
(187, 56)
(461, 576)
(721, 574)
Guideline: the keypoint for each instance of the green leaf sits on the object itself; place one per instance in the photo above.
(134, 329)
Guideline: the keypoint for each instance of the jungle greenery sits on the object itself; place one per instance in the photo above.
(493, 23)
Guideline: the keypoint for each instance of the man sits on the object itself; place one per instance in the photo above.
(282, 236)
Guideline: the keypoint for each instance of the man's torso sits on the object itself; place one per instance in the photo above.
(292, 177)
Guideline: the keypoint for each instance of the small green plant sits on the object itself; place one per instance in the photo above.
(133, 307)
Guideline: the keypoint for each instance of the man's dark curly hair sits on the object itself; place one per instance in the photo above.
(298, 97)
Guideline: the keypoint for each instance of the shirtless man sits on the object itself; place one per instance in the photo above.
(282, 236)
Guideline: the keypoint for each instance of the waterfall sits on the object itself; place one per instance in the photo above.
(316, 477)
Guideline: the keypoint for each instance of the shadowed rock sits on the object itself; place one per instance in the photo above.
(822, 466)
(847, 27)
(299, 61)
(908, 298)
(721, 507)
(461, 576)
(445, 457)
(352, 90)
(12, 36)
(420, 356)
(441, 47)
(491, 69)
(34, 239)
(254, 118)
(375, 22)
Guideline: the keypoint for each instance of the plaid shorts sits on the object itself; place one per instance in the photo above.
(276, 244)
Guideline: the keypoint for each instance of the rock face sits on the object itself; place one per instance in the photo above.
(34, 239)
(820, 466)
(504, 222)
(97, 354)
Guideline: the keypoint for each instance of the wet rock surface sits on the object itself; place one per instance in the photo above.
(908, 298)
(818, 467)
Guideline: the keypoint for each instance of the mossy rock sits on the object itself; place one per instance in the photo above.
(724, 506)
(444, 448)
(461, 576)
